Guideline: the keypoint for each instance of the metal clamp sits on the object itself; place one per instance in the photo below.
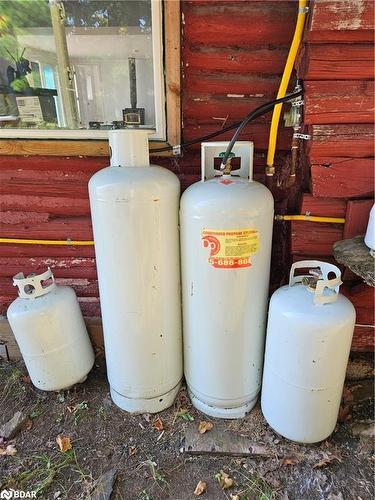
(297, 103)
(32, 286)
(176, 150)
(321, 279)
(305, 137)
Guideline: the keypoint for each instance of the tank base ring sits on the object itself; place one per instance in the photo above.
(150, 405)
(214, 411)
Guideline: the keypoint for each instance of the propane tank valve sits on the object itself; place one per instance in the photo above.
(311, 281)
(227, 166)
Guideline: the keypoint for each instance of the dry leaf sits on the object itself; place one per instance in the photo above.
(344, 413)
(26, 379)
(132, 451)
(158, 424)
(291, 460)
(64, 443)
(347, 395)
(204, 426)
(224, 480)
(326, 460)
(10, 450)
(200, 488)
(235, 497)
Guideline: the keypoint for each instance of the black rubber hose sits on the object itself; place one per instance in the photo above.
(261, 110)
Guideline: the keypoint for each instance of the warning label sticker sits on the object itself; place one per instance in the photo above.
(230, 249)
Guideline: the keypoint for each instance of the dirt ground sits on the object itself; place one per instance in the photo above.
(148, 462)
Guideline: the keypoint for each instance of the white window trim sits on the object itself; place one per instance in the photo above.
(159, 96)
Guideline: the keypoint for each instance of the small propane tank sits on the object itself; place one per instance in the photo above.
(226, 231)
(50, 331)
(309, 334)
(370, 233)
(134, 210)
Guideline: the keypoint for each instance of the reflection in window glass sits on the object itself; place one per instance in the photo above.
(76, 64)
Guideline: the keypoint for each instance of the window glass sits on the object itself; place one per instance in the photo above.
(77, 64)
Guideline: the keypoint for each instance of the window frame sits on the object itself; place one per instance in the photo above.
(168, 36)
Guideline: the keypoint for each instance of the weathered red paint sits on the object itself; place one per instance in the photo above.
(72, 228)
(58, 252)
(363, 298)
(336, 62)
(363, 338)
(223, 24)
(313, 238)
(354, 140)
(339, 102)
(356, 217)
(341, 21)
(323, 207)
(66, 267)
(343, 177)
(236, 60)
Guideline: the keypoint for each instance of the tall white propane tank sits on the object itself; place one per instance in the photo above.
(49, 329)
(134, 209)
(309, 334)
(226, 230)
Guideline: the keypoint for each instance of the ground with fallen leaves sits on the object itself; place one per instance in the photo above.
(77, 444)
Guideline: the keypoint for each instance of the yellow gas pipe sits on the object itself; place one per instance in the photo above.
(311, 218)
(20, 241)
(308, 218)
(302, 11)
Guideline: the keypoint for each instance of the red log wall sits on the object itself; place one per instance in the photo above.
(337, 65)
(233, 55)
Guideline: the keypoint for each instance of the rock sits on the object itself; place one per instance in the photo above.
(355, 255)
(11, 428)
(364, 429)
(333, 496)
(104, 486)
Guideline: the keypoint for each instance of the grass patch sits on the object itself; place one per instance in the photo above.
(254, 487)
(13, 388)
(43, 470)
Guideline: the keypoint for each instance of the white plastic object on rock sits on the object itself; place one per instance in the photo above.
(134, 209)
(309, 334)
(50, 331)
(370, 233)
(226, 230)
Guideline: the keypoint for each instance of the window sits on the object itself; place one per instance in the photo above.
(76, 68)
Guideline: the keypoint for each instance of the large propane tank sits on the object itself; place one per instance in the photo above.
(49, 329)
(226, 230)
(134, 209)
(309, 334)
